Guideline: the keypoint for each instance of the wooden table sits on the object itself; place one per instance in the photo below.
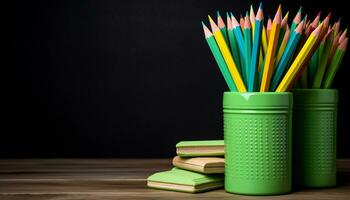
(120, 179)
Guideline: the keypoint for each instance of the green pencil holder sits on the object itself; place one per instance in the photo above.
(257, 136)
(314, 138)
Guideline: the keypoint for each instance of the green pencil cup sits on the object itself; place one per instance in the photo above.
(257, 136)
(314, 138)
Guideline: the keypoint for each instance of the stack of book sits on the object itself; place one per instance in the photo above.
(198, 167)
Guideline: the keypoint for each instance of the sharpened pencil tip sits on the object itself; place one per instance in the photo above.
(300, 9)
(260, 14)
(210, 19)
(300, 27)
(260, 5)
(305, 19)
(218, 13)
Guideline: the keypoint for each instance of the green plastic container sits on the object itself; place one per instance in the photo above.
(257, 137)
(314, 137)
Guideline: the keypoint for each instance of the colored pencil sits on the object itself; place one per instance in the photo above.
(218, 58)
(333, 68)
(252, 82)
(268, 28)
(233, 43)
(283, 45)
(240, 42)
(287, 56)
(324, 55)
(271, 51)
(252, 20)
(241, 22)
(343, 36)
(264, 40)
(337, 27)
(294, 70)
(296, 20)
(284, 24)
(247, 46)
(227, 56)
(334, 47)
(222, 26)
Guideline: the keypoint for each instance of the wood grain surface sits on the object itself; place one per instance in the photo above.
(89, 179)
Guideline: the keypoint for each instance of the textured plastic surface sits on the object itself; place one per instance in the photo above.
(257, 136)
(314, 137)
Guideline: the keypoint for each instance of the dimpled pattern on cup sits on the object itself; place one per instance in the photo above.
(257, 134)
(315, 125)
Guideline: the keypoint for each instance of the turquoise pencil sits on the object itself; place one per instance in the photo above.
(286, 56)
(219, 59)
(252, 81)
(247, 45)
(240, 42)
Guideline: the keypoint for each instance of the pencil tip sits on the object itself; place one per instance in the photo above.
(210, 19)
(300, 9)
(246, 14)
(317, 30)
(218, 13)
(260, 5)
(305, 18)
(300, 27)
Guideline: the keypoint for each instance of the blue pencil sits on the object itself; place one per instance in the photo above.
(286, 56)
(252, 81)
(240, 42)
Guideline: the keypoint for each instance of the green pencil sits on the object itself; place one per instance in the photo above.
(219, 58)
(222, 27)
(233, 43)
(247, 45)
(333, 68)
(328, 41)
(296, 20)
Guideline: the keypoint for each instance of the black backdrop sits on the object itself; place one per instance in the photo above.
(124, 79)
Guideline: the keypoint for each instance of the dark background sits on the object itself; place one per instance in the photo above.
(124, 79)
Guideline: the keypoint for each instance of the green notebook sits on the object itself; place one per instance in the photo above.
(185, 181)
(200, 148)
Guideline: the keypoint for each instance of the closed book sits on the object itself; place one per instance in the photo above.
(200, 148)
(185, 181)
(206, 165)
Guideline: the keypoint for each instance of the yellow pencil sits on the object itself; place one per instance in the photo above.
(264, 40)
(268, 28)
(299, 61)
(227, 56)
(271, 51)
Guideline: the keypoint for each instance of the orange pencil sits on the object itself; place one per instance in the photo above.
(271, 52)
